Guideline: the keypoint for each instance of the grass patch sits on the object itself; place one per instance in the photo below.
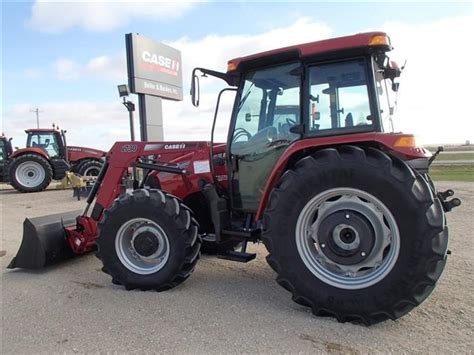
(452, 172)
(458, 156)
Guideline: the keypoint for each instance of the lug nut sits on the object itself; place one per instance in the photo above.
(347, 216)
(363, 253)
(323, 245)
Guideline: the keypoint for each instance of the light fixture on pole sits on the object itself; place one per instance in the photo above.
(124, 92)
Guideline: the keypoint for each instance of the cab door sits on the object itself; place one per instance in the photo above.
(268, 106)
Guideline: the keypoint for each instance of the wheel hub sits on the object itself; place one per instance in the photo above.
(145, 244)
(346, 237)
(142, 246)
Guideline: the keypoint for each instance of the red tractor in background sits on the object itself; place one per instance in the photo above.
(353, 224)
(46, 157)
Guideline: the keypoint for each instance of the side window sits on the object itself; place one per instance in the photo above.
(269, 107)
(339, 97)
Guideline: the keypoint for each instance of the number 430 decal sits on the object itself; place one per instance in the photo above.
(129, 148)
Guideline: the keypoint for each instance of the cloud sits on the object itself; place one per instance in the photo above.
(435, 87)
(89, 124)
(108, 67)
(111, 68)
(66, 69)
(56, 16)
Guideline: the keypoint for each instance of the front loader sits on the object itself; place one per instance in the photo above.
(353, 225)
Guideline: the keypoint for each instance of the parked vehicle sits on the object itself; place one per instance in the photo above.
(352, 224)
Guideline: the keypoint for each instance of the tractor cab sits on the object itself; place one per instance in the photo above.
(51, 141)
(315, 90)
(5, 151)
(5, 148)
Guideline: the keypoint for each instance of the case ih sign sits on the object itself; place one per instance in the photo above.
(153, 68)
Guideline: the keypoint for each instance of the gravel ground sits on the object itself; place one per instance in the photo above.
(224, 307)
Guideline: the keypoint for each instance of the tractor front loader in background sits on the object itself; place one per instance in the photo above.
(353, 225)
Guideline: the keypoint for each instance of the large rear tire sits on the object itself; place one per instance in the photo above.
(355, 234)
(89, 168)
(148, 240)
(30, 173)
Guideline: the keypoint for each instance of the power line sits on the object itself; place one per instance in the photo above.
(37, 111)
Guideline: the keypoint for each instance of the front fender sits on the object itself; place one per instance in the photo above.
(387, 141)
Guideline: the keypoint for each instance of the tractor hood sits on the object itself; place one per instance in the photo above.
(77, 153)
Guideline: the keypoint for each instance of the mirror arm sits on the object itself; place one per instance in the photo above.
(230, 79)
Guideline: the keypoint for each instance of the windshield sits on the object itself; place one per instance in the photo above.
(387, 100)
(45, 141)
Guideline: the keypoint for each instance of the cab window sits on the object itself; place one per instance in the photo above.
(339, 97)
(45, 141)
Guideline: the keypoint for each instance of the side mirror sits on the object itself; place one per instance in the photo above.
(195, 90)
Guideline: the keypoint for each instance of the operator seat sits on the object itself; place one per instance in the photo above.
(349, 120)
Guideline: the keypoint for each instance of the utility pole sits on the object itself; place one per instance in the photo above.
(37, 111)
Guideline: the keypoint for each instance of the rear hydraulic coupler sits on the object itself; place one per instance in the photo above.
(448, 205)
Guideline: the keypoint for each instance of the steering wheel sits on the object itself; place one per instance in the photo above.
(291, 122)
(241, 132)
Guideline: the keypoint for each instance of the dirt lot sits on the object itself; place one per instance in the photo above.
(224, 306)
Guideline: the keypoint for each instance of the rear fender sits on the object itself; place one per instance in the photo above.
(32, 150)
(385, 141)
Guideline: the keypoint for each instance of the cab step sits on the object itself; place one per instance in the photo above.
(241, 257)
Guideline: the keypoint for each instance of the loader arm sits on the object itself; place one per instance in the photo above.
(111, 180)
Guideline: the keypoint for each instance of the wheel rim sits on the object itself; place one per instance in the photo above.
(142, 246)
(30, 174)
(347, 238)
(92, 171)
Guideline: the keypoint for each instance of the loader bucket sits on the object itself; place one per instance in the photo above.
(44, 241)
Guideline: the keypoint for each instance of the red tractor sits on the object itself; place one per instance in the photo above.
(353, 225)
(47, 157)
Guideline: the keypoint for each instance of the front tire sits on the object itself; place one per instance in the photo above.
(30, 173)
(148, 240)
(355, 234)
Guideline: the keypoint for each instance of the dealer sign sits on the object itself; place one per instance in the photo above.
(153, 68)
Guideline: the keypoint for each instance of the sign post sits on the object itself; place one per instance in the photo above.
(154, 72)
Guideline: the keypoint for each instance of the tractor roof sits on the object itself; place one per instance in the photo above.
(362, 41)
(40, 130)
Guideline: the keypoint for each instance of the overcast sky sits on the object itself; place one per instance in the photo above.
(66, 58)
